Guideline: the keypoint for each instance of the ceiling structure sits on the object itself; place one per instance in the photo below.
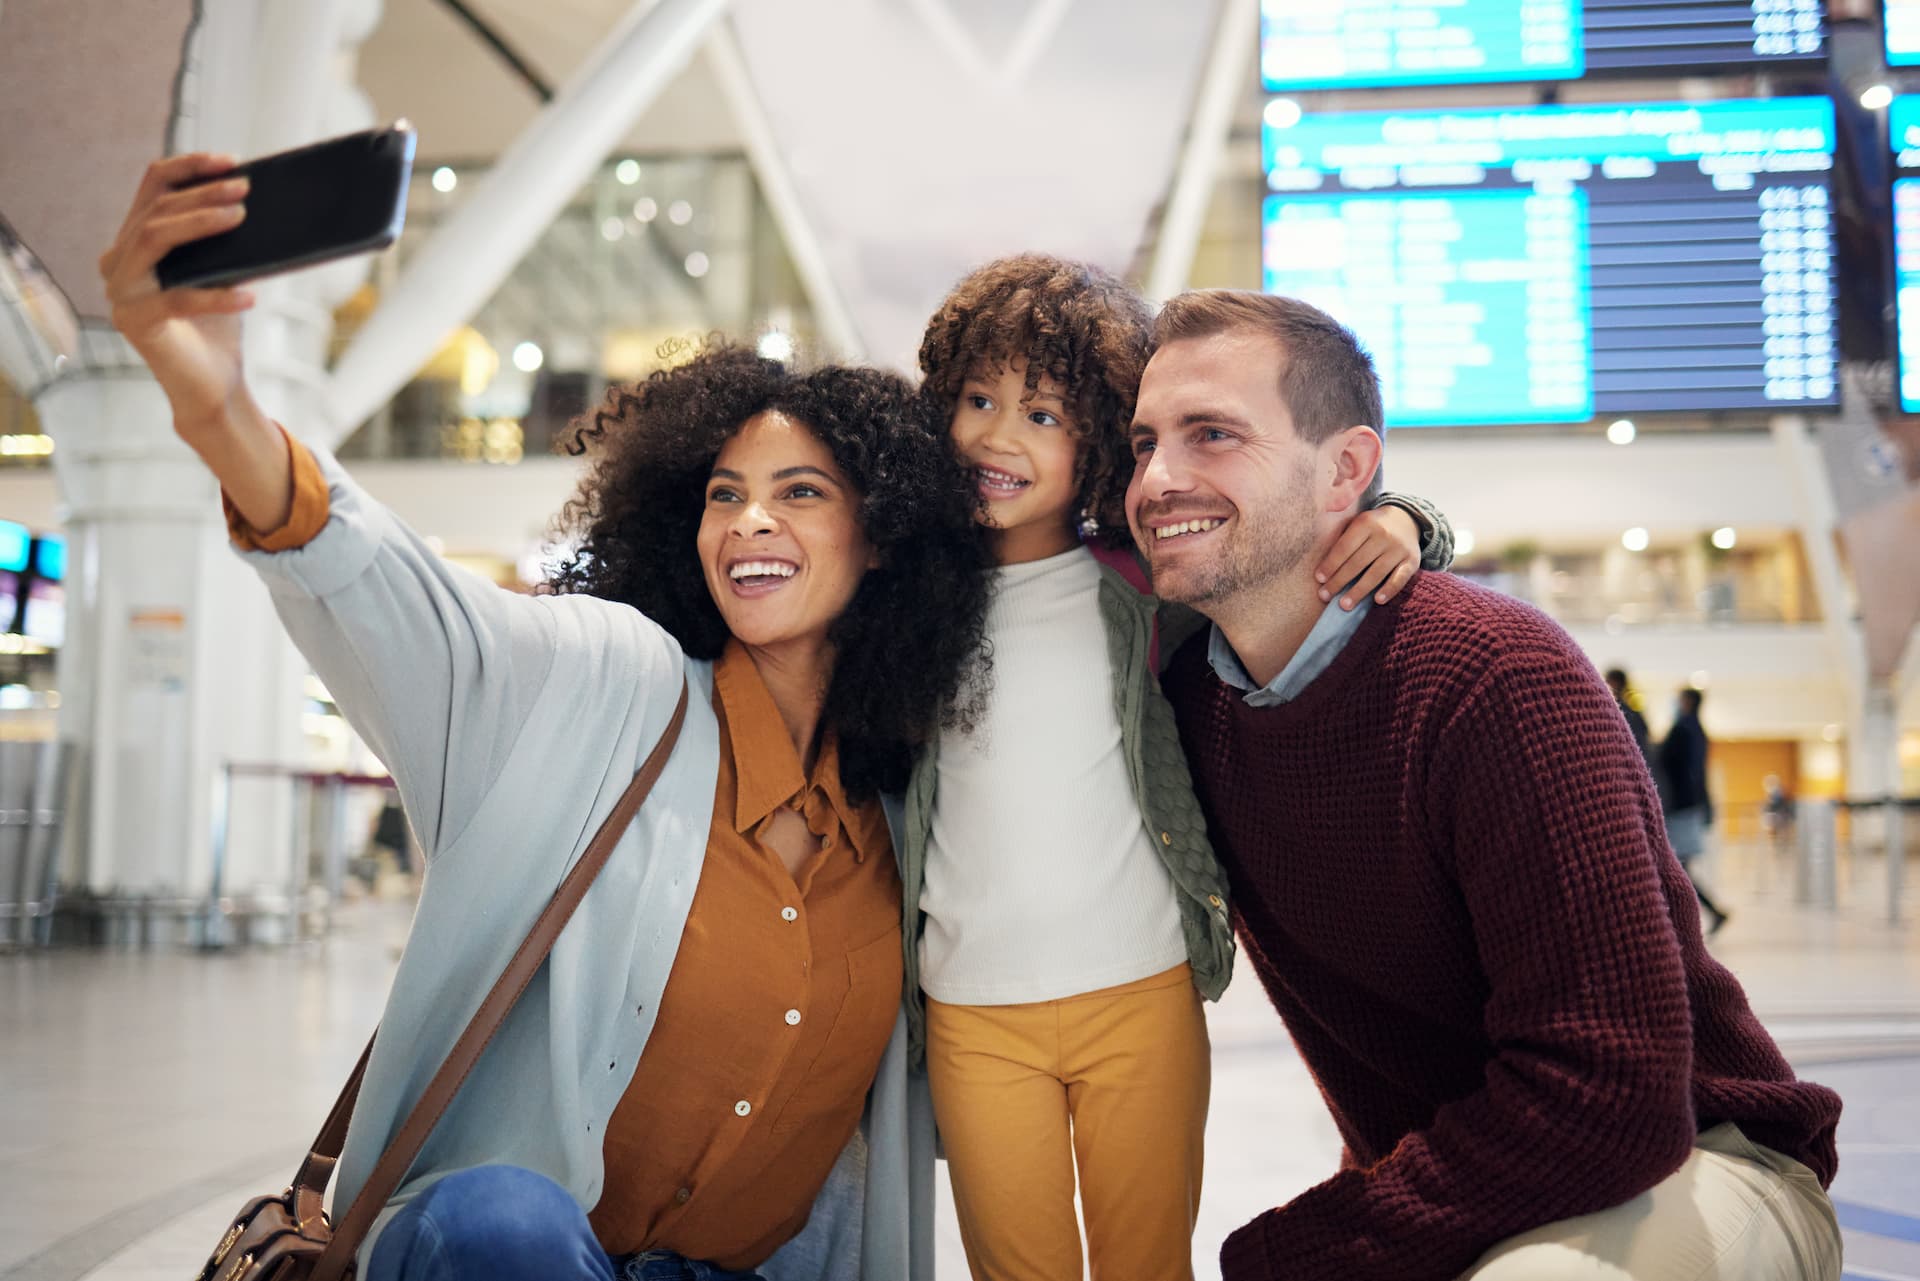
(423, 62)
(917, 137)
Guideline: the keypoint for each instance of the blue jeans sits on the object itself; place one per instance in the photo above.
(503, 1223)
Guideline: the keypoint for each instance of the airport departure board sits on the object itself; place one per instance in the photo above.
(1903, 32)
(1550, 264)
(1903, 132)
(1330, 44)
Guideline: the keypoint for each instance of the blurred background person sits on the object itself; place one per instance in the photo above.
(1682, 775)
(1629, 700)
(1776, 811)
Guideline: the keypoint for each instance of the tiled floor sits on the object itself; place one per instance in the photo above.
(144, 1096)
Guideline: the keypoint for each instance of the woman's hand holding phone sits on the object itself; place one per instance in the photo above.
(190, 338)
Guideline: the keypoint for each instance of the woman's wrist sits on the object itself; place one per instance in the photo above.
(248, 455)
(236, 421)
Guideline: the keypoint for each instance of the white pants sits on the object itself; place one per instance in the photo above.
(1735, 1210)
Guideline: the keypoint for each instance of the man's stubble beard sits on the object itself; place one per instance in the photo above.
(1264, 546)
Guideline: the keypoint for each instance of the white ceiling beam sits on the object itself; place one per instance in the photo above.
(475, 249)
(831, 314)
(39, 332)
(1221, 91)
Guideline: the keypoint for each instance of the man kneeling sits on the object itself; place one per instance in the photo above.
(1450, 871)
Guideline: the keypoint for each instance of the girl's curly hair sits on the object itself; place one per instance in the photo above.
(909, 650)
(1071, 322)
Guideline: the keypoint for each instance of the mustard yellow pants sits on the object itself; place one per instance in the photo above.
(1115, 1083)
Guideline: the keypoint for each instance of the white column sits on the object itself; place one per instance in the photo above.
(139, 517)
(1873, 775)
(174, 663)
(1806, 473)
(1873, 746)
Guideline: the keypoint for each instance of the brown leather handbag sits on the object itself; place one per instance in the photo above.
(289, 1237)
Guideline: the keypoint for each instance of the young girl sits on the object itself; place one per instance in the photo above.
(1064, 913)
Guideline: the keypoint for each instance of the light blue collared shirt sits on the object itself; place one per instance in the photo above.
(1323, 644)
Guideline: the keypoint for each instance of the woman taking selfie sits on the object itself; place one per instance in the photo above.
(707, 1077)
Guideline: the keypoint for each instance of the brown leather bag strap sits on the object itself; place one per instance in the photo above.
(333, 1134)
(310, 1181)
(394, 1163)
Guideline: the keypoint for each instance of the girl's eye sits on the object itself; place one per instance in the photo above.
(978, 401)
(1042, 418)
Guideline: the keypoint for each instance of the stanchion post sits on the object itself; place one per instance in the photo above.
(298, 859)
(1814, 882)
(213, 921)
(1896, 857)
(336, 854)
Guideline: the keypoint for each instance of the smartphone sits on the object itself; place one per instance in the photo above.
(310, 205)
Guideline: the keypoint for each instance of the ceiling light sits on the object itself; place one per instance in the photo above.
(1622, 431)
(1635, 539)
(528, 357)
(1282, 113)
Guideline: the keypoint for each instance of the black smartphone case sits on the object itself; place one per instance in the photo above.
(310, 205)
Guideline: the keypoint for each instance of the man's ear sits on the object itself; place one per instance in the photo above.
(1350, 458)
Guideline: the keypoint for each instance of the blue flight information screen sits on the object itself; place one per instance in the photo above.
(1550, 264)
(1903, 133)
(1331, 44)
(1903, 32)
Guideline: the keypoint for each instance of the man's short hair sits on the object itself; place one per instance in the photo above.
(1326, 377)
(1691, 698)
(1617, 677)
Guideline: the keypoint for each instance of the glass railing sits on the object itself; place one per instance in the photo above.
(651, 253)
(22, 443)
(1673, 587)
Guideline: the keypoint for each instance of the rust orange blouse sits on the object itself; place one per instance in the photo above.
(782, 998)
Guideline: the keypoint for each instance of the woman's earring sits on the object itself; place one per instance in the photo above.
(1089, 525)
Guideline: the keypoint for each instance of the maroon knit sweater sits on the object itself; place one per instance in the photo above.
(1450, 872)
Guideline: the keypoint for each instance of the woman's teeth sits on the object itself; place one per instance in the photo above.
(760, 569)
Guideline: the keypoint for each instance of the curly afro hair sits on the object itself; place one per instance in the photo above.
(910, 648)
(1071, 322)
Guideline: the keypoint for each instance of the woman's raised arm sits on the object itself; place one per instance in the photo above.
(190, 338)
(436, 668)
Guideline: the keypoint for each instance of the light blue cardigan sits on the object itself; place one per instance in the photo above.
(511, 725)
